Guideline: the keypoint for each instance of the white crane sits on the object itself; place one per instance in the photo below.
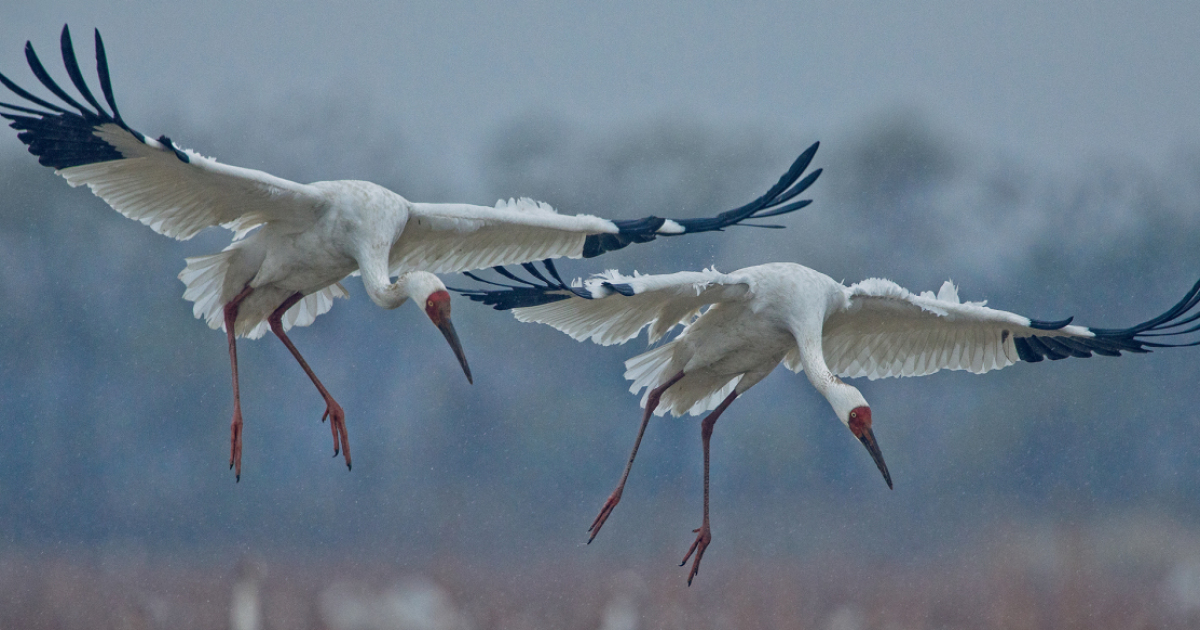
(310, 236)
(739, 326)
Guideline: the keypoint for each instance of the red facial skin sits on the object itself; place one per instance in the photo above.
(860, 426)
(437, 306)
(860, 421)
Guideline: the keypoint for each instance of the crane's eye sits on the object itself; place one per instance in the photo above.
(853, 414)
(428, 304)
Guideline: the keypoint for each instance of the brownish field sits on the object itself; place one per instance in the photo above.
(1069, 580)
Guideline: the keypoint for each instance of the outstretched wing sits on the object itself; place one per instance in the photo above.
(175, 191)
(445, 238)
(610, 308)
(888, 331)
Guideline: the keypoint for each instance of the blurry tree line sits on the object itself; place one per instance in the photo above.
(117, 402)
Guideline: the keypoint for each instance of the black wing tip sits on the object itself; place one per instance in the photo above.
(772, 203)
(1050, 325)
(59, 137)
(525, 294)
(106, 82)
(790, 185)
(72, 65)
(804, 160)
(508, 299)
(1113, 342)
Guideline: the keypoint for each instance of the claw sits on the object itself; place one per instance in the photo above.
(337, 426)
(337, 443)
(609, 505)
(235, 444)
(703, 538)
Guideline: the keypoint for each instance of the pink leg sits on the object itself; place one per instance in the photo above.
(333, 411)
(704, 535)
(235, 427)
(615, 497)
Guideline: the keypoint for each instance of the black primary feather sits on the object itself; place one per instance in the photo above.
(526, 293)
(59, 137)
(1113, 341)
(771, 204)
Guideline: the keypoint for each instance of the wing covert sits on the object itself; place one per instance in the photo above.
(448, 238)
(610, 308)
(886, 331)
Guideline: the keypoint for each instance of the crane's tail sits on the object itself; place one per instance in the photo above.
(204, 278)
(208, 290)
(649, 370)
(695, 394)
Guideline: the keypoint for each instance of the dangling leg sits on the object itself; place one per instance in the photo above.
(235, 427)
(333, 411)
(703, 535)
(615, 497)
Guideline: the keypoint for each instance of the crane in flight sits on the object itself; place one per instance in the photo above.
(293, 243)
(737, 327)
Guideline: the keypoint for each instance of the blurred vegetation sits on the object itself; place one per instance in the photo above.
(117, 401)
(1013, 585)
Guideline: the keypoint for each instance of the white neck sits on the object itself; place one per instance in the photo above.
(842, 397)
(414, 284)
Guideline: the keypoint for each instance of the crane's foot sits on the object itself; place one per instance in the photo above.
(235, 444)
(703, 537)
(337, 424)
(613, 500)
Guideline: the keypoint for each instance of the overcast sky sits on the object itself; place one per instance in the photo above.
(1054, 83)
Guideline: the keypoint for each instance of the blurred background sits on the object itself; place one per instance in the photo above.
(1044, 158)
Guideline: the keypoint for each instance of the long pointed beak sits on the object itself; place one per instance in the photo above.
(447, 328)
(868, 440)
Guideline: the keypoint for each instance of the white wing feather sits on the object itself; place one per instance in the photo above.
(447, 238)
(179, 199)
(887, 331)
(659, 301)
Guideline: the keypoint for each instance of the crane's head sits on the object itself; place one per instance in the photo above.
(853, 411)
(427, 290)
